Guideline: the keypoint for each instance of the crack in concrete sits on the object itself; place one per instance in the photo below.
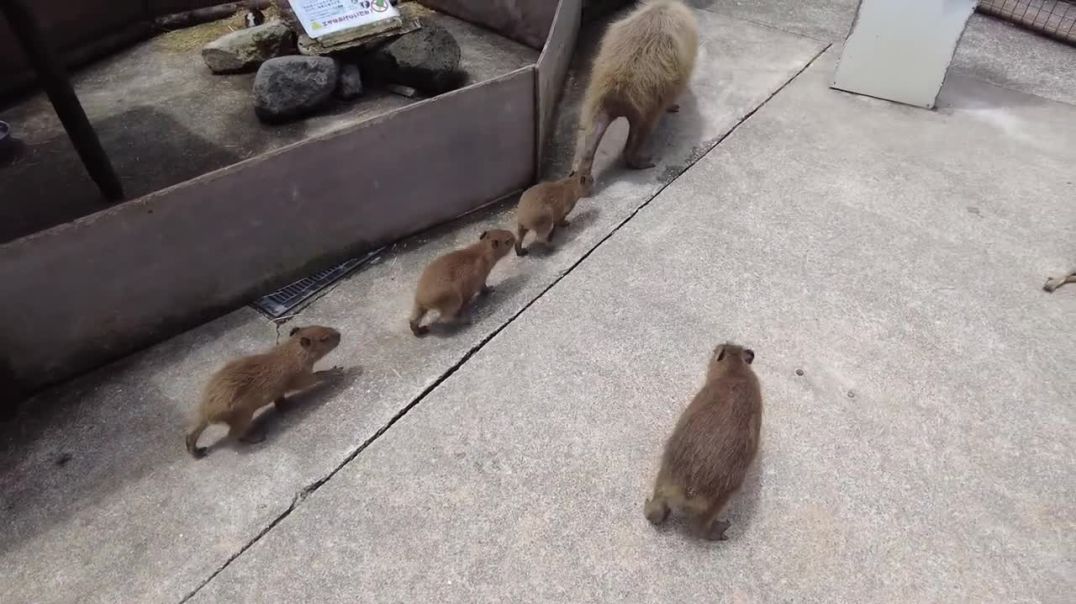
(696, 154)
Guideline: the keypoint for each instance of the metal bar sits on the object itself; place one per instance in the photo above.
(53, 78)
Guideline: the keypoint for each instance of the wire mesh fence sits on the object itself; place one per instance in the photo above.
(1053, 18)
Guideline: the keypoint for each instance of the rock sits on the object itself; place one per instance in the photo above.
(244, 49)
(350, 84)
(427, 59)
(291, 87)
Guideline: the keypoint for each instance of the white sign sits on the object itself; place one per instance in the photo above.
(323, 17)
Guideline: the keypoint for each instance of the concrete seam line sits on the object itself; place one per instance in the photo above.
(314, 486)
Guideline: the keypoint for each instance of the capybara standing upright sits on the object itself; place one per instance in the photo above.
(643, 65)
(707, 456)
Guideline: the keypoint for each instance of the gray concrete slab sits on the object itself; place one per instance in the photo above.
(894, 255)
(1003, 54)
(828, 20)
(101, 502)
(991, 49)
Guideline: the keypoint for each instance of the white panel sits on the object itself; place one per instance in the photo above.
(899, 50)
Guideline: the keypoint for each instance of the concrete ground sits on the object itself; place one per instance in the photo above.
(894, 256)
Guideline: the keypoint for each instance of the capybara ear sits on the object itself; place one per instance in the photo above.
(720, 352)
(294, 330)
(484, 235)
(748, 355)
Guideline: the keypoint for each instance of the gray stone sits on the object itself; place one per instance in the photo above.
(349, 85)
(427, 59)
(245, 49)
(290, 87)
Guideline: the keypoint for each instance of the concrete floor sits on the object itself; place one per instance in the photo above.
(164, 118)
(894, 255)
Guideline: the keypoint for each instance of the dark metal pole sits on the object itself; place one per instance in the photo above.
(53, 78)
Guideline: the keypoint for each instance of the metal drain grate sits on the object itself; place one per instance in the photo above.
(286, 299)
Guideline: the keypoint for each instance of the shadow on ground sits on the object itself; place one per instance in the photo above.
(46, 184)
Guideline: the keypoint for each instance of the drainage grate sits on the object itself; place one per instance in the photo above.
(288, 298)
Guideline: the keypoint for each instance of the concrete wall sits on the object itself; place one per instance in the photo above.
(83, 293)
(553, 66)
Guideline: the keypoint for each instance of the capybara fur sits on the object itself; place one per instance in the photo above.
(545, 206)
(644, 64)
(451, 281)
(713, 444)
(243, 386)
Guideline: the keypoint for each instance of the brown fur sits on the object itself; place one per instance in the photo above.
(245, 385)
(1055, 282)
(450, 282)
(643, 65)
(545, 206)
(707, 456)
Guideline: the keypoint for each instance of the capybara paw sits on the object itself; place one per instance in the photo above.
(656, 512)
(716, 530)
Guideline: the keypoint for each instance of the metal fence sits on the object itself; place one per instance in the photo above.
(1053, 18)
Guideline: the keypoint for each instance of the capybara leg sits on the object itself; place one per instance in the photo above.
(657, 508)
(591, 139)
(239, 428)
(1054, 283)
(451, 311)
(521, 232)
(416, 319)
(639, 131)
(713, 528)
(192, 439)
